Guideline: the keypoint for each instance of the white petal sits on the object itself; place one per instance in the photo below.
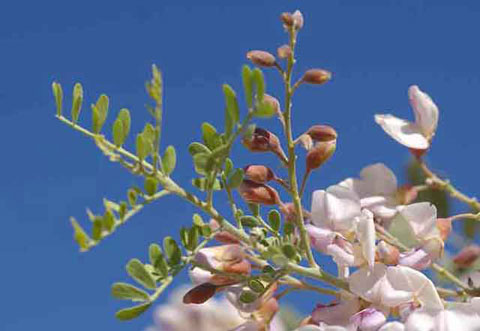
(366, 236)
(404, 132)
(426, 112)
(335, 208)
(422, 219)
(369, 319)
(378, 180)
(337, 313)
(319, 237)
(341, 256)
(373, 286)
(248, 326)
(199, 276)
(410, 280)
(392, 326)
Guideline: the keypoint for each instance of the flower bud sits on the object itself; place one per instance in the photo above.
(273, 103)
(444, 225)
(261, 58)
(467, 256)
(287, 19)
(306, 141)
(223, 236)
(288, 210)
(297, 20)
(266, 311)
(387, 254)
(320, 153)
(258, 173)
(322, 133)
(316, 76)
(253, 192)
(200, 293)
(284, 52)
(406, 194)
(264, 141)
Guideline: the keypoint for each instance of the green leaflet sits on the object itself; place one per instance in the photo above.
(169, 160)
(124, 291)
(77, 102)
(132, 312)
(139, 273)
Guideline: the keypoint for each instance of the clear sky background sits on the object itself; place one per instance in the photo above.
(375, 49)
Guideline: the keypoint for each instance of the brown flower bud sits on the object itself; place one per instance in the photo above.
(316, 76)
(223, 236)
(261, 58)
(288, 210)
(320, 153)
(297, 19)
(284, 51)
(287, 19)
(406, 194)
(258, 173)
(200, 293)
(322, 133)
(266, 311)
(264, 141)
(387, 254)
(444, 225)
(253, 192)
(467, 256)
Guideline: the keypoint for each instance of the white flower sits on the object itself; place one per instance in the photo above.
(377, 189)
(335, 209)
(456, 316)
(393, 286)
(392, 326)
(416, 135)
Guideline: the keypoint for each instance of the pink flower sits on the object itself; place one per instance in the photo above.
(418, 134)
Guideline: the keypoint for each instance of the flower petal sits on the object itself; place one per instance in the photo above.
(336, 313)
(422, 219)
(410, 280)
(366, 236)
(335, 208)
(319, 237)
(404, 132)
(392, 326)
(426, 112)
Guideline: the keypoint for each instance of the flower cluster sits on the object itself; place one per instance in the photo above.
(381, 235)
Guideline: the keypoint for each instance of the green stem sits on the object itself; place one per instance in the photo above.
(292, 175)
(443, 184)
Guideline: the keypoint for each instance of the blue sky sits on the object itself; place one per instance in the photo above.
(375, 49)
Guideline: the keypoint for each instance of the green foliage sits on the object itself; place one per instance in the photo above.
(139, 273)
(58, 95)
(132, 312)
(169, 160)
(197, 148)
(151, 185)
(248, 296)
(249, 221)
(99, 113)
(202, 184)
(247, 79)
(80, 236)
(77, 102)
(121, 127)
(210, 136)
(124, 291)
(274, 220)
(257, 76)
(232, 113)
(236, 178)
(172, 251)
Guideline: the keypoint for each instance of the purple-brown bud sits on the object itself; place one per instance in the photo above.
(253, 192)
(316, 76)
(287, 19)
(223, 236)
(322, 133)
(261, 58)
(290, 213)
(320, 153)
(284, 52)
(258, 173)
(264, 141)
(200, 293)
(467, 256)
